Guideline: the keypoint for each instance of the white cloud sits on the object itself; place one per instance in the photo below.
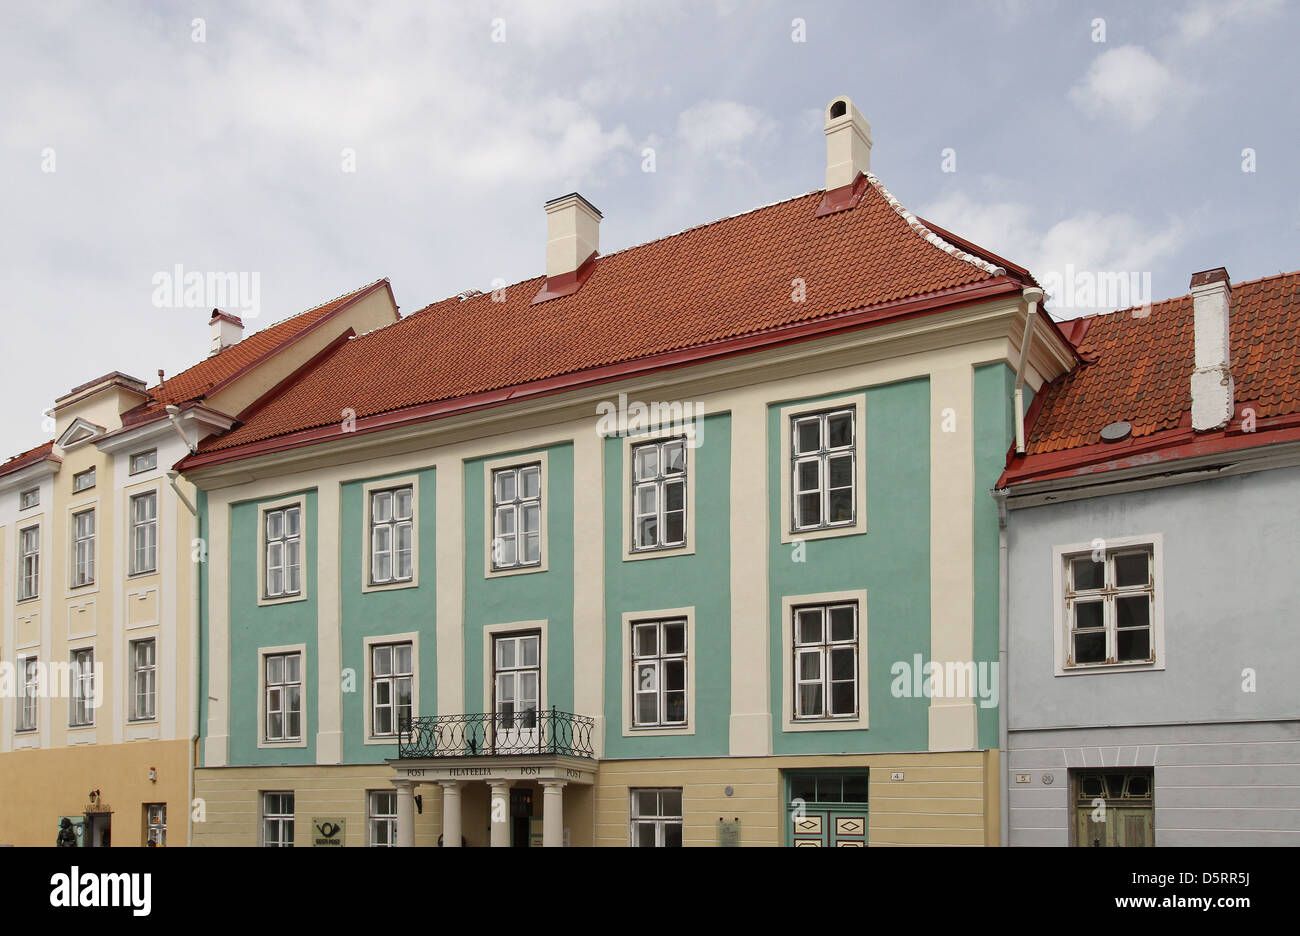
(1090, 242)
(722, 129)
(1202, 20)
(1126, 82)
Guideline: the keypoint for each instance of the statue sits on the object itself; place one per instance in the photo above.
(67, 835)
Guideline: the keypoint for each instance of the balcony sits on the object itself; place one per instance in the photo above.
(499, 734)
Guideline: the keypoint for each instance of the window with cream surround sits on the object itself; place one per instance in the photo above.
(392, 514)
(144, 532)
(659, 661)
(144, 679)
(823, 468)
(81, 703)
(83, 548)
(29, 499)
(1109, 605)
(283, 694)
(277, 820)
(659, 494)
(392, 678)
(516, 517)
(144, 461)
(381, 808)
(29, 563)
(282, 543)
(29, 672)
(824, 661)
(656, 818)
(83, 480)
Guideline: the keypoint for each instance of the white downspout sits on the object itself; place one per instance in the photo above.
(194, 657)
(1033, 295)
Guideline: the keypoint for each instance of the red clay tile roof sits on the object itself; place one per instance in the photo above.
(733, 277)
(195, 382)
(1143, 366)
(29, 457)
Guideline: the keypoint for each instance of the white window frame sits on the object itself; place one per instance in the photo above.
(82, 688)
(263, 557)
(82, 543)
(788, 654)
(263, 654)
(78, 482)
(155, 832)
(661, 820)
(23, 503)
(140, 528)
(24, 575)
(824, 650)
(134, 469)
(631, 552)
(389, 640)
(148, 672)
(368, 492)
(377, 820)
(1062, 623)
(29, 696)
(490, 569)
(282, 820)
(787, 418)
(490, 633)
(630, 620)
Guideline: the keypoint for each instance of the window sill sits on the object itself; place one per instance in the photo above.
(658, 731)
(390, 586)
(794, 536)
(263, 743)
(281, 599)
(141, 573)
(1083, 669)
(666, 552)
(845, 723)
(518, 570)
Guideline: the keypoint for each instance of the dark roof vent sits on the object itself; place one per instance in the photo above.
(839, 109)
(1116, 431)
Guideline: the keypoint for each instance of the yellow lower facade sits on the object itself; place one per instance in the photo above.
(39, 787)
(915, 799)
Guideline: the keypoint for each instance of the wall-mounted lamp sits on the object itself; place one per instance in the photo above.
(153, 774)
(419, 804)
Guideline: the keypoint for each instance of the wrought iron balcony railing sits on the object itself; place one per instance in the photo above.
(471, 735)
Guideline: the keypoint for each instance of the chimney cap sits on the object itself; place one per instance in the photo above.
(578, 196)
(218, 315)
(1206, 277)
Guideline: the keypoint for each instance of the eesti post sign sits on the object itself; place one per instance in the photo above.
(327, 833)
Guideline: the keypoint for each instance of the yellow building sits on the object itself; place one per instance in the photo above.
(99, 544)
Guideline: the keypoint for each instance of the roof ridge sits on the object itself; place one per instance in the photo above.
(1188, 295)
(928, 235)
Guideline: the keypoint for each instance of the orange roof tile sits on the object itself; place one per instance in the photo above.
(730, 278)
(1142, 365)
(29, 457)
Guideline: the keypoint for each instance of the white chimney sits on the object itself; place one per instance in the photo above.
(572, 233)
(1212, 391)
(848, 143)
(226, 329)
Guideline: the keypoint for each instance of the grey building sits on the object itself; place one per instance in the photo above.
(1151, 591)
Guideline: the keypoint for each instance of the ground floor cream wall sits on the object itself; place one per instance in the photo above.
(943, 798)
(39, 786)
(231, 800)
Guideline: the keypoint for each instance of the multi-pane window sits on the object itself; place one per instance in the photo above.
(390, 535)
(658, 673)
(29, 672)
(277, 820)
(144, 532)
(29, 498)
(283, 696)
(29, 563)
(659, 494)
(382, 810)
(391, 675)
(83, 548)
(826, 660)
(144, 461)
(1108, 604)
(81, 705)
(823, 469)
(518, 676)
(517, 517)
(155, 824)
(144, 681)
(83, 480)
(657, 818)
(284, 552)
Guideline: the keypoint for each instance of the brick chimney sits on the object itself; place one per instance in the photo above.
(1212, 390)
(226, 329)
(572, 241)
(848, 143)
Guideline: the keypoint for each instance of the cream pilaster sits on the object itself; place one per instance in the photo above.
(329, 637)
(751, 710)
(450, 482)
(589, 581)
(451, 833)
(216, 745)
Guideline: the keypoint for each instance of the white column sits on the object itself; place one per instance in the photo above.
(450, 813)
(405, 813)
(500, 814)
(552, 813)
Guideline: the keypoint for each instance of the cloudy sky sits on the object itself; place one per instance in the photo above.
(325, 145)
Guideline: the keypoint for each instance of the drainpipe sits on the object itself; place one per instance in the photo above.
(194, 658)
(174, 414)
(1033, 295)
(1004, 629)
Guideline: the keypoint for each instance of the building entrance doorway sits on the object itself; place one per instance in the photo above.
(99, 830)
(826, 810)
(521, 817)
